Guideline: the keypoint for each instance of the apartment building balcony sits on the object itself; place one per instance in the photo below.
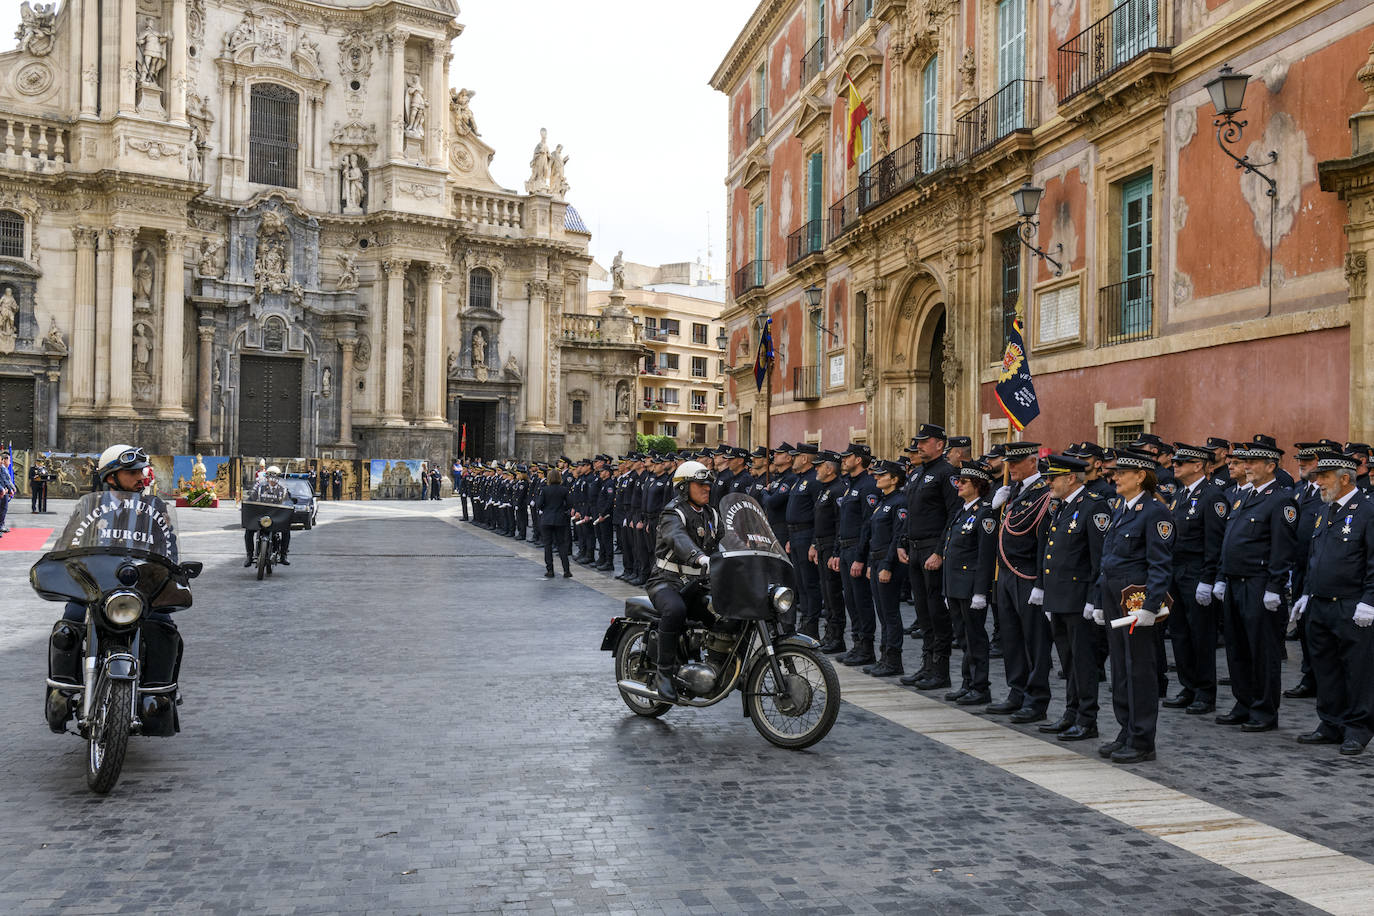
(808, 240)
(1126, 310)
(1012, 109)
(657, 336)
(750, 277)
(756, 126)
(813, 61)
(905, 167)
(844, 215)
(806, 383)
(1110, 45)
(856, 13)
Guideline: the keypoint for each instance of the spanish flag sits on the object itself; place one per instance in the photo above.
(858, 113)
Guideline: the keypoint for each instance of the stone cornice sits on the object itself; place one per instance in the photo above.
(755, 32)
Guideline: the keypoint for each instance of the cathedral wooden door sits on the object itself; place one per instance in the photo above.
(269, 406)
(16, 412)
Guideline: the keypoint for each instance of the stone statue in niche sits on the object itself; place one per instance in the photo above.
(143, 281)
(143, 349)
(207, 265)
(55, 343)
(215, 376)
(558, 180)
(152, 53)
(512, 368)
(622, 401)
(452, 364)
(308, 51)
(415, 107)
(195, 170)
(354, 182)
(479, 347)
(326, 382)
(463, 121)
(348, 273)
(409, 299)
(539, 165)
(269, 270)
(9, 314)
(274, 335)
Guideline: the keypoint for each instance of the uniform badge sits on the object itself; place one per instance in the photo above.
(1220, 509)
(988, 525)
(872, 500)
(928, 478)
(1102, 520)
(901, 515)
(701, 532)
(1236, 504)
(1165, 529)
(802, 486)
(1290, 514)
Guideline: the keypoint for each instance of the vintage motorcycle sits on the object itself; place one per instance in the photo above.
(267, 521)
(116, 671)
(789, 690)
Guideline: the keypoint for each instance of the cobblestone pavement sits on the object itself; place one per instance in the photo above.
(409, 719)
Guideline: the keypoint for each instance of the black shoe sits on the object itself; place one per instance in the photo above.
(1200, 708)
(910, 680)
(1026, 715)
(834, 648)
(1062, 725)
(248, 562)
(1078, 733)
(1301, 691)
(1234, 717)
(1132, 755)
(623, 577)
(889, 665)
(1317, 737)
(1110, 748)
(567, 574)
(549, 574)
(933, 680)
(284, 561)
(1004, 708)
(1351, 748)
(1259, 726)
(974, 698)
(954, 695)
(1180, 701)
(861, 654)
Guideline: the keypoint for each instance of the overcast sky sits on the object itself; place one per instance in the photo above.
(622, 84)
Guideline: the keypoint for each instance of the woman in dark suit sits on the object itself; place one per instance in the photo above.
(553, 508)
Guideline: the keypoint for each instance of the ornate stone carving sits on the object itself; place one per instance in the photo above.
(539, 165)
(207, 261)
(395, 265)
(9, 320)
(348, 272)
(464, 124)
(951, 361)
(154, 149)
(1355, 271)
(55, 343)
(152, 52)
(362, 353)
(34, 78)
(421, 191)
(37, 32)
(416, 106)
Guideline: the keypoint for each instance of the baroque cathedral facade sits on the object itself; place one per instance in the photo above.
(269, 228)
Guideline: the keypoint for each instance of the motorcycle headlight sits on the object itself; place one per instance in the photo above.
(783, 598)
(265, 521)
(123, 608)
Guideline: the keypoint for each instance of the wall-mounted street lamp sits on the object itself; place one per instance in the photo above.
(1227, 90)
(813, 305)
(1027, 200)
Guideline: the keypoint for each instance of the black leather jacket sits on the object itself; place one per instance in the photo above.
(685, 534)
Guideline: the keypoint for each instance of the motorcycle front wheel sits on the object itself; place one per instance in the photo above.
(108, 737)
(633, 664)
(264, 556)
(801, 710)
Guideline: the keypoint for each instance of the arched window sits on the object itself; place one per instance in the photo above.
(577, 412)
(272, 137)
(11, 234)
(479, 289)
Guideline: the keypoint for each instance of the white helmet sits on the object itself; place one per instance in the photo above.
(692, 472)
(274, 471)
(120, 458)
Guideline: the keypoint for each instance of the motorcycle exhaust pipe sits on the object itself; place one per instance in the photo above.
(643, 691)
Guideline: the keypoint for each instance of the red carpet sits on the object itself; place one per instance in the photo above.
(25, 539)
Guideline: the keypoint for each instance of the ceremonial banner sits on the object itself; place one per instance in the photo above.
(1015, 389)
(763, 360)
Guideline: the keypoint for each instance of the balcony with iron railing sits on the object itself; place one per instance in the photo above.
(806, 383)
(845, 214)
(750, 277)
(1127, 310)
(655, 336)
(905, 166)
(1012, 108)
(856, 13)
(807, 240)
(756, 126)
(1108, 45)
(813, 61)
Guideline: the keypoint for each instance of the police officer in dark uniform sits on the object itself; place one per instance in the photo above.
(1310, 506)
(1337, 602)
(636, 518)
(1137, 568)
(831, 487)
(338, 488)
(1217, 468)
(625, 485)
(931, 498)
(1153, 445)
(969, 551)
(604, 521)
(1199, 509)
(521, 498)
(758, 475)
(741, 479)
(1025, 634)
(1360, 452)
(724, 475)
(1070, 559)
(1094, 477)
(1256, 559)
(780, 483)
(39, 475)
(801, 524)
(880, 539)
(857, 502)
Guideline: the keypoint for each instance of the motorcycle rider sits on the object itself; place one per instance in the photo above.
(269, 489)
(688, 532)
(122, 470)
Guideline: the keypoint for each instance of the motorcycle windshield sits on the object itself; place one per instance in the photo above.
(124, 523)
(749, 563)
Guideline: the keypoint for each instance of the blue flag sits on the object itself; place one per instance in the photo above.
(763, 360)
(1015, 389)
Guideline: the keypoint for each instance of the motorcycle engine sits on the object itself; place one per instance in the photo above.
(698, 677)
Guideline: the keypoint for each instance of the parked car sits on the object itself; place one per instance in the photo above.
(298, 485)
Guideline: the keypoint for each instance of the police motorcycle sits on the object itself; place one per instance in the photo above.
(788, 689)
(115, 672)
(267, 521)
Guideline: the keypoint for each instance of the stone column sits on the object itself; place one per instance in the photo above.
(173, 318)
(395, 269)
(437, 117)
(128, 56)
(398, 39)
(176, 65)
(204, 376)
(534, 355)
(346, 386)
(90, 58)
(122, 319)
(54, 377)
(82, 360)
(435, 375)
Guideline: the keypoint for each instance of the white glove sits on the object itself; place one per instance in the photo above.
(1364, 615)
(979, 603)
(1001, 496)
(1298, 607)
(1271, 601)
(1037, 596)
(1088, 612)
(1219, 590)
(1144, 618)
(704, 561)
(1203, 595)
(1099, 617)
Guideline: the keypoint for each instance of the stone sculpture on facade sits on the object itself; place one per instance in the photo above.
(207, 265)
(348, 272)
(55, 343)
(326, 382)
(143, 349)
(354, 182)
(512, 368)
(558, 180)
(415, 107)
(539, 166)
(9, 314)
(618, 271)
(37, 28)
(143, 281)
(152, 53)
(463, 121)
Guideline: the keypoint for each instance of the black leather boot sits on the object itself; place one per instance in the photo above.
(889, 664)
(861, 654)
(937, 674)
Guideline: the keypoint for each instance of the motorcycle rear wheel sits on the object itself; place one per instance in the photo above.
(803, 709)
(264, 557)
(632, 665)
(109, 734)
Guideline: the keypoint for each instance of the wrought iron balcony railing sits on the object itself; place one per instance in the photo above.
(905, 166)
(845, 214)
(813, 61)
(809, 239)
(1127, 310)
(757, 124)
(856, 13)
(1013, 107)
(1107, 45)
(806, 383)
(751, 276)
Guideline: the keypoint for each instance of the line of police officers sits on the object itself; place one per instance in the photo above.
(1090, 555)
